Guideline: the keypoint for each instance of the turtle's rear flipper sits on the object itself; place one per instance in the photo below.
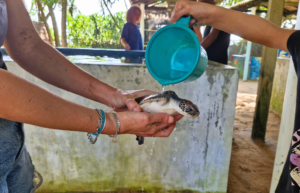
(140, 140)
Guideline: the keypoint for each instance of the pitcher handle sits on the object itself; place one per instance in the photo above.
(185, 21)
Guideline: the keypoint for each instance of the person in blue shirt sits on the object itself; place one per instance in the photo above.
(131, 37)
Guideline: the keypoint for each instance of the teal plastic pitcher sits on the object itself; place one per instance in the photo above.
(175, 55)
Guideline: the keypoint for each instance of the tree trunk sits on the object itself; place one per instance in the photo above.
(40, 17)
(64, 23)
(55, 28)
(44, 19)
(126, 4)
(112, 16)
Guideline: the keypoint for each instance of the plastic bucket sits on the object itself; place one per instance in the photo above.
(175, 55)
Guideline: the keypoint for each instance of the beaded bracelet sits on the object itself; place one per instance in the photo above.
(100, 126)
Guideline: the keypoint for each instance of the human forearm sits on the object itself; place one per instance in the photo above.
(124, 43)
(207, 41)
(47, 64)
(250, 27)
(25, 102)
(198, 33)
(210, 38)
(25, 46)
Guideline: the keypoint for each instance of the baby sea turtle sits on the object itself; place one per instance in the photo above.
(168, 102)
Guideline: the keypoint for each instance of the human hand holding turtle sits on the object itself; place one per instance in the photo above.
(139, 123)
(160, 113)
(126, 100)
(143, 124)
(168, 102)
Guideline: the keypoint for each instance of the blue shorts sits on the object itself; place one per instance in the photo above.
(17, 172)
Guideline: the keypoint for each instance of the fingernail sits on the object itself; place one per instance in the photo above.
(137, 109)
(171, 119)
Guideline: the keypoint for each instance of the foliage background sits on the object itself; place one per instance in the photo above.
(99, 30)
(95, 31)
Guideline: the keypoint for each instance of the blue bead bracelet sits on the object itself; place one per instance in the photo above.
(100, 126)
(101, 122)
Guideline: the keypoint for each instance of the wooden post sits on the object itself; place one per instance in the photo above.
(142, 23)
(264, 91)
(287, 121)
(64, 5)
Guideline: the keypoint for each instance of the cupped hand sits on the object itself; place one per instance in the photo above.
(146, 124)
(201, 12)
(127, 100)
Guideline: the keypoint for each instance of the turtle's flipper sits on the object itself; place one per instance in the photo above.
(140, 140)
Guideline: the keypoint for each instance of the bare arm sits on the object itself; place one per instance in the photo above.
(124, 43)
(212, 36)
(25, 46)
(252, 28)
(198, 33)
(25, 102)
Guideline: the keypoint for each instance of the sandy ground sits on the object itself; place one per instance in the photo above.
(251, 161)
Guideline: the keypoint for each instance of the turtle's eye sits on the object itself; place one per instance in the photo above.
(189, 108)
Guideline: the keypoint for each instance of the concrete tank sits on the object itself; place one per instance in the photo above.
(195, 158)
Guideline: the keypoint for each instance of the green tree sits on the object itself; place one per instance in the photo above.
(45, 9)
(66, 5)
(51, 4)
(108, 4)
(41, 6)
(43, 18)
(95, 31)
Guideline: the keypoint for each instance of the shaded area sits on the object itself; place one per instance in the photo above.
(252, 161)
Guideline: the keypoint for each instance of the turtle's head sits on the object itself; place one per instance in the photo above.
(189, 109)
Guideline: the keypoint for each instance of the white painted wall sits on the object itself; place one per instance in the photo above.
(287, 122)
(195, 157)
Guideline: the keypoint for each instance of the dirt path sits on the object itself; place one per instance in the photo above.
(252, 162)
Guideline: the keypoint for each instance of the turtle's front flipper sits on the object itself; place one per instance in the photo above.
(140, 140)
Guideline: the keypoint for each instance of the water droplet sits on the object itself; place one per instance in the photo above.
(174, 159)
(154, 140)
(145, 146)
(175, 138)
(151, 150)
(175, 129)
(175, 149)
(150, 153)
